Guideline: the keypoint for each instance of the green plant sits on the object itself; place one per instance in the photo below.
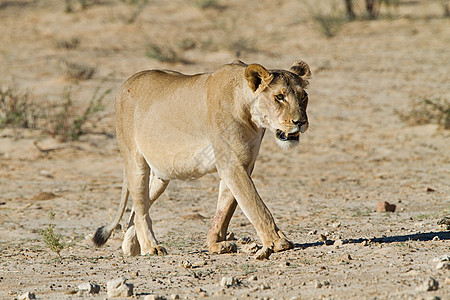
(66, 124)
(16, 109)
(71, 43)
(52, 240)
(78, 71)
(426, 111)
(204, 4)
(162, 53)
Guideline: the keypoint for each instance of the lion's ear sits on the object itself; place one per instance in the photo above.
(257, 74)
(301, 69)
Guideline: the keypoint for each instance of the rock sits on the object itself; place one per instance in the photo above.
(27, 296)
(339, 242)
(154, 297)
(430, 190)
(253, 278)
(228, 281)
(365, 243)
(88, 288)
(436, 238)
(444, 221)
(430, 284)
(385, 206)
(443, 265)
(186, 264)
(174, 296)
(336, 224)
(119, 288)
(250, 248)
(244, 240)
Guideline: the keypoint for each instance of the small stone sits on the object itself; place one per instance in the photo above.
(444, 221)
(244, 240)
(428, 285)
(365, 243)
(153, 297)
(186, 264)
(89, 288)
(253, 278)
(174, 296)
(326, 283)
(385, 206)
(328, 242)
(228, 281)
(430, 190)
(436, 238)
(278, 272)
(318, 285)
(339, 242)
(312, 232)
(443, 265)
(265, 287)
(336, 224)
(27, 296)
(322, 237)
(250, 248)
(119, 288)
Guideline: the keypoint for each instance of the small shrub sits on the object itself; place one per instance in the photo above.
(204, 4)
(428, 111)
(16, 108)
(78, 71)
(71, 43)
(52, 240)
(68, 125)
(162, 53)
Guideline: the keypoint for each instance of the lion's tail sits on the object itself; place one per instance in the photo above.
(103, 233)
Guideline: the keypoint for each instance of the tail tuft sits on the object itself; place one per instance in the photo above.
(101, 236)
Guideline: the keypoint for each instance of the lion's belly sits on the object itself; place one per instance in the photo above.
(177, 154)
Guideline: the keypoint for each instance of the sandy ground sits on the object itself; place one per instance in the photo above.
(357, 152)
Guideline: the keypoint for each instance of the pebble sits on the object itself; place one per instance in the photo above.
(253, 278)
(228, 281)
(365, 243)
(336, 225)
(27, 296)
(443, 265)
(89, 288)
(186, 264)
(174, 296)
(429, 284)
(119, 288)
(385, 206)
(154, 297)
(250, 248)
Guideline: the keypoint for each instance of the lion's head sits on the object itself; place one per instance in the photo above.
(280, 101)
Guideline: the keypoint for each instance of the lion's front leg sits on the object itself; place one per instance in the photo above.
(216, 239)
(243, 189)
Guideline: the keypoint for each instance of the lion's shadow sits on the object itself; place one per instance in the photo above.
(423, 237)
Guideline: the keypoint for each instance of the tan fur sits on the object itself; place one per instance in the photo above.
(175, 126)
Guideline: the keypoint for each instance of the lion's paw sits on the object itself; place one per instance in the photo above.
(282, 244)
(158, 250)
(223, 247)
(263, 253)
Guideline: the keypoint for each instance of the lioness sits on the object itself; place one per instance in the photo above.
(176, 126)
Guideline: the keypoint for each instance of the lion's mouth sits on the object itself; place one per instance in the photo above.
(282, 136)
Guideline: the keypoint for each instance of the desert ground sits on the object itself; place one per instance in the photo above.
(323, 194)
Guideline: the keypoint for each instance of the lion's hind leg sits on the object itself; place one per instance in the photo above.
(144, 188)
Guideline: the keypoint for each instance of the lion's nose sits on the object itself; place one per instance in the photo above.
(299, 123)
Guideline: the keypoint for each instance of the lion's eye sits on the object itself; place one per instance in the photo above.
(279, 97)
